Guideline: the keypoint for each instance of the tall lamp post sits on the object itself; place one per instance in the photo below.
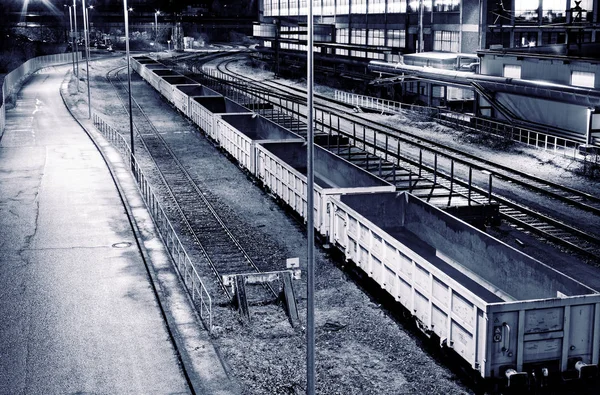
(75, 38)
(71, 35)
(156, 14)
(87, 56)
(126, 14)
(310, 281)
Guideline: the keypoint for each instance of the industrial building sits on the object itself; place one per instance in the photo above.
(532, 61)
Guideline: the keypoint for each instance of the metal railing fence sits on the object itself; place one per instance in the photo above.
(194, 284)
(538, 139)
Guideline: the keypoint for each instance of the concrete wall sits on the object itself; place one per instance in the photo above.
(557, 70)
(13, 80)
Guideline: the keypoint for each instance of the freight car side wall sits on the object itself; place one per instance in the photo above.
(483, 324)
(400, 265)
(515, 273)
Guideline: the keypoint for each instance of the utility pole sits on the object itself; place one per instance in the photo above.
(310, 210)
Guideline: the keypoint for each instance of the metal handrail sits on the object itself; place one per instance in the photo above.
(183, 263)
(523, 135)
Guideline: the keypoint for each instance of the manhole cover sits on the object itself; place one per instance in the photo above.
(124, 244)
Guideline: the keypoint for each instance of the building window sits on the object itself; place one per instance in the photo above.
(328, 7)
(341, 36)
(413, 6)
(396, 38)
(293, 7)
(553, 38)
(303, 7)
(586, 13)
(359, 7)
(526, 11)
(525, 39)
(358, 54)
(583, 78)
(359, 36)
(554, 11)
(446, 5)
(512, 71)
(342, 7)
(376, 37)
(376, 6)
(446, 41)
(397, 6)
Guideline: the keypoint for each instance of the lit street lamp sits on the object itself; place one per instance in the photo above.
(169, 45)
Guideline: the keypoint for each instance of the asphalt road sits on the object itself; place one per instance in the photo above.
(77, 313)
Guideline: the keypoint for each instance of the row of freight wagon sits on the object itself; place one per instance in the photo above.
(509, 316)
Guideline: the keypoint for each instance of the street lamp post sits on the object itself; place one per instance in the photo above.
(169, 45)
(71, 35)
(310, 281)
(156, 14)
(87, 56)
(126, 14)
(75, 37)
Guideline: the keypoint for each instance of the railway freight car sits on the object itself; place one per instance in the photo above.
(281, 167)
(239, 134)
(506, 314)
(205, 110)
(167, 85)
(183, 94)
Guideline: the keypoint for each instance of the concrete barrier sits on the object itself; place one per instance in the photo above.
(16, 78)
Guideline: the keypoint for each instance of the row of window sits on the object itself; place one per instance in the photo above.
(345, 7)
(524, 11)
(583, 79)
(373, 37)
(442, 40)
(552, 11)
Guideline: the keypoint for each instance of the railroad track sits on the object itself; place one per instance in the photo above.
(195, 205)
(576, 198)
(585, 243)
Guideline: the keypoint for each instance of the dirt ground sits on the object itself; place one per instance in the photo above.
(361, 347)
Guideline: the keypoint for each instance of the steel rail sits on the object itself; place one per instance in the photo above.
(500, 171)
(175, 198)
(546, 221)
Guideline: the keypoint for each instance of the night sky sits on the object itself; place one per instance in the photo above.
(170, 6)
